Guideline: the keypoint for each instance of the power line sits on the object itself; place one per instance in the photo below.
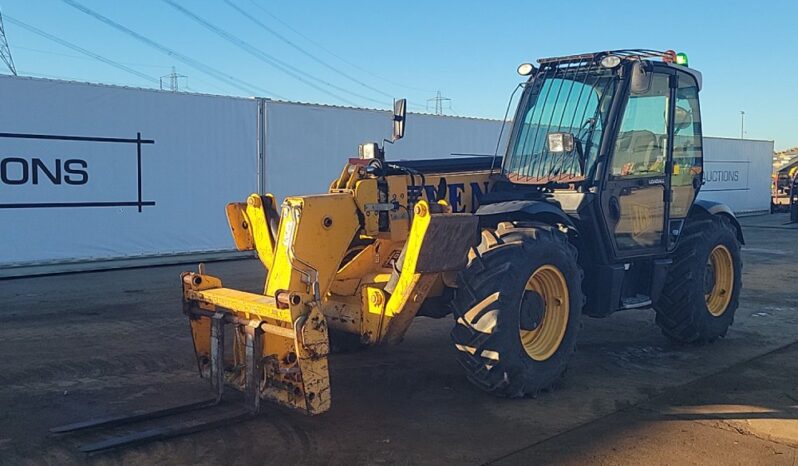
(287, 68)
(50, 76)
(339, 57)
(62, 77)
(78, 57)
(148, 65)
(77, 48)
(206, 83)
(303, 51)
(198, 65)
(5, 51)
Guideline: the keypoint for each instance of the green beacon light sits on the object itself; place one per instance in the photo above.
(681, 59)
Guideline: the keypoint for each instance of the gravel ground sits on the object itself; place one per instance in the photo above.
(92, 344)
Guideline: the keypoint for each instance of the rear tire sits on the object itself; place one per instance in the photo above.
(696, 305)
(518, 310)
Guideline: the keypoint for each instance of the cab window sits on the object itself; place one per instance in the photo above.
(640, 148)
(687, 146)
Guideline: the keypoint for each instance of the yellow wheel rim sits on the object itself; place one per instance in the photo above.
(542, 342)
(721, 267)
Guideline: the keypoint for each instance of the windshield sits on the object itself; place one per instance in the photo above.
(574, 99)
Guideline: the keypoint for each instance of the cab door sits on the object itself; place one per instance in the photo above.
(687, 172)
(634, 197)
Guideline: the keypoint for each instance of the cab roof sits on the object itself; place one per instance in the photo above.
(624, 54)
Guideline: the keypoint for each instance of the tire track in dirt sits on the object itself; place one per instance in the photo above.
(141, 365)
(86, 308)
(103, 382)
(88, 329)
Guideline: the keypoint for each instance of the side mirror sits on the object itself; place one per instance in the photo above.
(399, 116)
(560, 142)
(682, 118)
(641, 77)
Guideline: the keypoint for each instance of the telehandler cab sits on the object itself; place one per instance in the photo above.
(591, 210)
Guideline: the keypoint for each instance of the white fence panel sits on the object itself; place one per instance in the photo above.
(308, 145)
(71, 188)
(737, 173)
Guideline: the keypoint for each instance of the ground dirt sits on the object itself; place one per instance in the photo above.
(94, 344)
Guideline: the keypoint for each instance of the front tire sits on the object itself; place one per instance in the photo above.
(518, 310)
(702, 289)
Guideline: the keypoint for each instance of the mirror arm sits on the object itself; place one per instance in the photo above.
(581, 153)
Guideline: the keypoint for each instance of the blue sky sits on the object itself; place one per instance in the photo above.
(363, 52)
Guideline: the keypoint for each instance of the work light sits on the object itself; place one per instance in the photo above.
(525, 69)
(610, 61)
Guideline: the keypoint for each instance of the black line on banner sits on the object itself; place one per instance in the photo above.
(138, 167)
(139, 203)
(724, 189)
(34, 205)
(77, 138)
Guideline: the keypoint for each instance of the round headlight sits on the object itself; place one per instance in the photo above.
(525, 69)
(610, 61)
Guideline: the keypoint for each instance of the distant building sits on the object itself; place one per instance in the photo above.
(789, 167)
(783, 158)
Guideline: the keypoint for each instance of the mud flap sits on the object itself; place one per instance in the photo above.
(438, 242)
(446, 243)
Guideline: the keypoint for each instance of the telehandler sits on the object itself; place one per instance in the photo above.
(591, 210)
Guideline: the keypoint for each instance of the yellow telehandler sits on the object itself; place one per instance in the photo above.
(591, 210)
